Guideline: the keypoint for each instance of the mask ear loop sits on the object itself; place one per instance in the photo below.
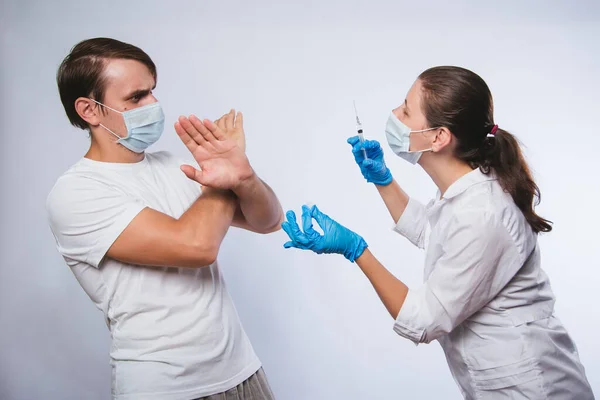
(117, 136)
(421, 131)
(104, 105)
(112, 109)
(435, 138)
(425, 130)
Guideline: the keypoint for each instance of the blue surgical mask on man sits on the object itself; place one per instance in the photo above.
(144, 126)
(398, 137)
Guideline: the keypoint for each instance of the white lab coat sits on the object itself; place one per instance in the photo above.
(485, 297)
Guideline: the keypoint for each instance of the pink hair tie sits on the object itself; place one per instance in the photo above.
(493, 131)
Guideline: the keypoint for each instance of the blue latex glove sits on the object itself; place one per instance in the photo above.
(373, 168)
(336, 238)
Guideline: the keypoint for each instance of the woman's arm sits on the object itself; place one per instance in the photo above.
(391, 290)
(395, 199)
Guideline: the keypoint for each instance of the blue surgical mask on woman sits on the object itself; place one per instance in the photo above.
(398, 137)
(144, 126)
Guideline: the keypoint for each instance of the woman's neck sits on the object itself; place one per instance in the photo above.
(444, 170)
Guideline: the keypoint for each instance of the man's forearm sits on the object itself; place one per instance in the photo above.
(209, 218)
(259, 205)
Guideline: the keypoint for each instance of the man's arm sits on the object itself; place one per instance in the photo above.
(219, 148)
(193, 240)
(259, 210)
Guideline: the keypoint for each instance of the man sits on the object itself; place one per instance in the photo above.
(142, 238)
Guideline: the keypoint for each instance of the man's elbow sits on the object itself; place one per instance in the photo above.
(275, 227)
(205, 259)
(203, 254)
(270, 230)
(195, 248)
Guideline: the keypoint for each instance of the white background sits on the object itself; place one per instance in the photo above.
(294, 68)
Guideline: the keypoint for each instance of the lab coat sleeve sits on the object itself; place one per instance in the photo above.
(478, 259)
(412, 223)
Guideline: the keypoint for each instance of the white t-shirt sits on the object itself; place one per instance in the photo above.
(175, 331)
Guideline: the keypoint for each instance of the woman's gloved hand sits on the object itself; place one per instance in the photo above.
(373, 168)
(335, 239)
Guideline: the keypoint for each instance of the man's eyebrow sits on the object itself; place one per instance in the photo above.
(140, 93)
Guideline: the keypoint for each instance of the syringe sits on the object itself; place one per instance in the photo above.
(359, 129)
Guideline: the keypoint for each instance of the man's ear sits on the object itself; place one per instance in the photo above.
(443, 139)
(88, 110)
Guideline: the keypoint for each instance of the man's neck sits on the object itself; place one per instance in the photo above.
(108, 150)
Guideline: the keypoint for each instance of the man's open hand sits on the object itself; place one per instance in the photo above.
(219, 152)
(233, 125)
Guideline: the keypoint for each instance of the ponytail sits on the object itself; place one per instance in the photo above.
(502, 154)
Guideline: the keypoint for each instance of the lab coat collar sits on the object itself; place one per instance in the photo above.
(466, 181)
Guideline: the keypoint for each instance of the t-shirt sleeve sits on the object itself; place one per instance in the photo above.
(87, 216)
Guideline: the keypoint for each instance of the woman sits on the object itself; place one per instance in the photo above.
(485, 297)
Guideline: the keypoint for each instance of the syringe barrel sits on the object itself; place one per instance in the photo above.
(361, 136)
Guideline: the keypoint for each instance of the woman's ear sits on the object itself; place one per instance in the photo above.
(443, 139)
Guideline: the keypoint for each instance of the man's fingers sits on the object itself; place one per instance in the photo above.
(239, 121)
(192, 127)
(214, 132)
(193, 173)
(203, 129)
(221, 122)
(229, 117)
(185, 137)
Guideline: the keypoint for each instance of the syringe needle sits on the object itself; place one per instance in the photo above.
(360, 131)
